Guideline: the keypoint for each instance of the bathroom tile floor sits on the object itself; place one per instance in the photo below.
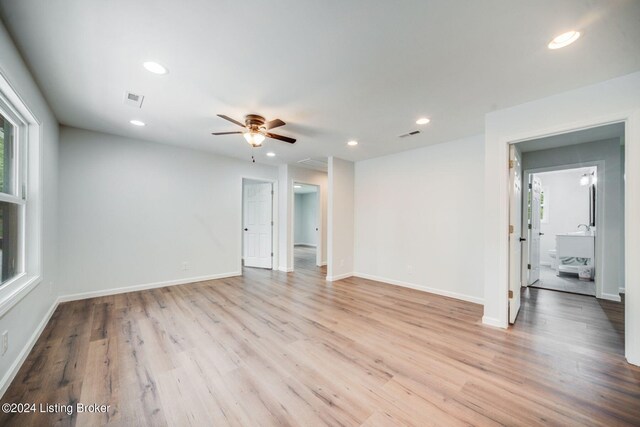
(565, 283)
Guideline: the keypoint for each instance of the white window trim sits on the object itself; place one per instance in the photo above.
(30, 135)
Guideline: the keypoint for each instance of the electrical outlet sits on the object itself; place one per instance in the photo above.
(185, 265)
(5, 342)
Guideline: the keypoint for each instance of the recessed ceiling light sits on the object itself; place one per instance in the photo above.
(297, 186)
(352, 143)
(136, 122)
(155, 68)
(271, 154)
(422, 121)
(564, 39)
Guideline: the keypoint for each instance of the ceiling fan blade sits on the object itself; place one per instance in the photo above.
(280, 137)
(274, 124)
(224, 133)
(222, 116)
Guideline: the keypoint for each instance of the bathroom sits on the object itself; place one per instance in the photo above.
(578, 181)
(567, 229)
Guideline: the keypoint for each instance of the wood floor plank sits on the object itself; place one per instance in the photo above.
(272, 348)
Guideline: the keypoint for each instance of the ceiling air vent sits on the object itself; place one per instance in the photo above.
(317, 164)
(133, 100)
(415, 132)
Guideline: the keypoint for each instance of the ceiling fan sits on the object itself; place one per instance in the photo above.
(256, 129)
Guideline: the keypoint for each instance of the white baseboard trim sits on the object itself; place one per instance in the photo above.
(134, 288)
(285, 269)
(323, 264)
(17, 364)
(492, 321)
(338, 277)
(611, 297)
(621, 290)
(441, 292)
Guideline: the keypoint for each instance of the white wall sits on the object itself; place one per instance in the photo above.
(305, 224)
(341, 219)
(131, 212)
(606, 102)
(24, 319)
(567, 205)
(418, 217)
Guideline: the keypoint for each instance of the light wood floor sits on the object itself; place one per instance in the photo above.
(272, 348)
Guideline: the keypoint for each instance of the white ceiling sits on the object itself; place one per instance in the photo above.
(333, 70)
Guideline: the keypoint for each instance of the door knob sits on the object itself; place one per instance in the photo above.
(541, 234)
(522, 239)
(246, 229)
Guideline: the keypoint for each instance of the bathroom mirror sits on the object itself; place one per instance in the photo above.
(592, 205)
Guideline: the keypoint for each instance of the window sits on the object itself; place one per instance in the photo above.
(12, 202)
(544, 205)
(20, 198)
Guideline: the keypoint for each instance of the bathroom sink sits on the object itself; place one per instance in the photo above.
(579, 233)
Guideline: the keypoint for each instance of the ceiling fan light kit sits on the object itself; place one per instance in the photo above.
(255, 139)
(256, 129)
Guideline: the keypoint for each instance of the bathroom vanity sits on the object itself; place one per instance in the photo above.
(575, 251)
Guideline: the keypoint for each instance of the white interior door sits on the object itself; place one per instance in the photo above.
(515, 231)
(258, 225)
(535, 189)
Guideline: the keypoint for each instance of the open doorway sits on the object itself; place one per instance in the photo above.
(567, 216)
(306, 226)
(257, 223)
(561, 229)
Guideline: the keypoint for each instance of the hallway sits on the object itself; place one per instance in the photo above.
(304, 258)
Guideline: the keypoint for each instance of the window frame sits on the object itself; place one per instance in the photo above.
(27, 185)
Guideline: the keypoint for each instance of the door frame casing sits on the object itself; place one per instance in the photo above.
(600, 212)
(318, 221)
(502, 131)
(274, 216)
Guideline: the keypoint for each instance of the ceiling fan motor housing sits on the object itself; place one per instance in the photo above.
(254, 122)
